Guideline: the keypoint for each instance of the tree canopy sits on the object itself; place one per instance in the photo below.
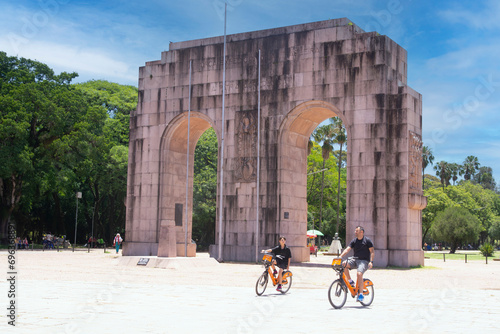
(455, 225)
(205, 189)
(57, 138)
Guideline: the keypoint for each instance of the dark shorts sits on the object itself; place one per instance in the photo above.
(281, 265)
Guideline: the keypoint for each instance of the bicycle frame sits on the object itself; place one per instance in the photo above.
(285, 274)
(353, 290)
(286, 279)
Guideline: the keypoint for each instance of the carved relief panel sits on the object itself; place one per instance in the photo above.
(414, 163)
(246, 145)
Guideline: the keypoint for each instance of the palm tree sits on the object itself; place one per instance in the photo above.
(470, 165)
(340, 139)
(455, 171)
(427, 158)
(443, 172)
(325, 134)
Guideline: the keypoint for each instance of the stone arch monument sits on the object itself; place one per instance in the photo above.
(309, 73)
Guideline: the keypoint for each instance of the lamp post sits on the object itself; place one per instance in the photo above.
(78, 195)
(93, 214)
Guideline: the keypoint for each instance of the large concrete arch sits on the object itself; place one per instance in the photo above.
(309, 72)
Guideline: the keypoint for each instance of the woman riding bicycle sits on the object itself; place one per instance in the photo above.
(363, 252)
(282, 256)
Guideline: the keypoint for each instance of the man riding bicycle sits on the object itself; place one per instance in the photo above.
(363, 252)
(283, 255)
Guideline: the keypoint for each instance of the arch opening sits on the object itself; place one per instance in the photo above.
(292, 170)
(174, 165)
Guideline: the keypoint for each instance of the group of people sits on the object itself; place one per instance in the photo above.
(22, 243)
(363, 259)
(49, 241)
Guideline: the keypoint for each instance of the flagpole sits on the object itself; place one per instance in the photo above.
(221, 213)
(187, 162)
(258, 167)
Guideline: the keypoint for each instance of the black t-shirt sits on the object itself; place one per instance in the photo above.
(282, 255)
(361, 248)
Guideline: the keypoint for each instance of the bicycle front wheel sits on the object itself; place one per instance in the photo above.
(368, 294)
(261, 284)
(337, 294)
(287, 286)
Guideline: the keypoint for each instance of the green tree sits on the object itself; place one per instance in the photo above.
(494, 231)
(326, 135)
(443, 172)
(470, 165)
(57, 138)
(38, 108)
(103, 170)
(437, 201)
(455, 225)
(205, 189)
(483, 205)
(484, 177)
(315, 162)
(340, 139)
(455, 170)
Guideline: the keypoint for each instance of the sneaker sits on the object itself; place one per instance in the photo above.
(275, 272)
(278, 288)
(360, 298)
(352, 283)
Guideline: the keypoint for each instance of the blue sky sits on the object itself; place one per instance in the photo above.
(453, 49)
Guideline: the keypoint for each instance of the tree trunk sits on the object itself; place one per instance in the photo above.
(423, 177)
(10, 195)
(321, 200)
(425, 234)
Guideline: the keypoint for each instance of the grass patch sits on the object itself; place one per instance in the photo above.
(411, 267)
(472, 256)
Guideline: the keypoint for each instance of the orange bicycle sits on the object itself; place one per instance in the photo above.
(337, 294)
(261, 284)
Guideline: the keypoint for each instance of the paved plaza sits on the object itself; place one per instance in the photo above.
(97, 292)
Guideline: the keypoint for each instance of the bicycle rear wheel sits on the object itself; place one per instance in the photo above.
(261, 284)
(337, 294)
(287, 286)
(368, 294)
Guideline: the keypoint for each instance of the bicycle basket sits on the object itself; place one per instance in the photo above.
(267, 258)
(337, 263)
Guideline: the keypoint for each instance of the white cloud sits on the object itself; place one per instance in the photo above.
(467, 62)
(487, 18)
(88, 62)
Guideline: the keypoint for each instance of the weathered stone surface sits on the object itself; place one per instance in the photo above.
(309, 73)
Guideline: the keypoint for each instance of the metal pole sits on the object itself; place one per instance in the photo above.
(338, 190)
(258, 167)
(92, 236)
(187, 162)
(78, 195)
(222, 138)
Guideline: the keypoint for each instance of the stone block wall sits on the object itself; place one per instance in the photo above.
(309, 73)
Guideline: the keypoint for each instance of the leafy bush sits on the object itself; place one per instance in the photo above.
(487, 249)
(456, 226)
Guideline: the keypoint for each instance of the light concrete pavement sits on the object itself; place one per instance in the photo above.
(80, 293)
